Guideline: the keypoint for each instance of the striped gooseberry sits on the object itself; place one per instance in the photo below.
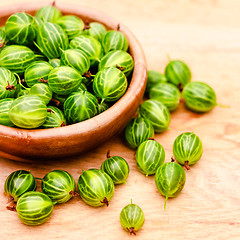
(119, 59)
(110, 84)
(64, 80)
(41, 90)
(199, 97)
(102, 107)
(178, 73)
(28, 111)
(138, 130)
(132, 218)
(59, 185)
(4, 108)
(8, 83)
(80, 106)
(21, 28)
(95, 187)
(117, 168)
(150, 156)
(51, 39)
(71, 24)
(96, 30)
(157, 113)
(166, 93)
(187, 149)
(153, 78)
(2, 38)
(34, 208)
(37, 72)
(48, 13)
(170, 179)
(19, 182)
(54, 62)
(55, 118)
(114, 40)
(75, 58)
(16, 58)
(90, 46)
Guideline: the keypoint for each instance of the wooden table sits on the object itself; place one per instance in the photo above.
(205, 34)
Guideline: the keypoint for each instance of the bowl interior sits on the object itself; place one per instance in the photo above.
(23, 144)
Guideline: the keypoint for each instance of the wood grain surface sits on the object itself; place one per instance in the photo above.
(205, 34)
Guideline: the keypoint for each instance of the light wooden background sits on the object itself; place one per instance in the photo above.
(205, 34)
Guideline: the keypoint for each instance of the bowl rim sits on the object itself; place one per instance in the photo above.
(134, 91)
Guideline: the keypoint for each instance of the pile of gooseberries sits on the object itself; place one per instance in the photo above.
(57, 70)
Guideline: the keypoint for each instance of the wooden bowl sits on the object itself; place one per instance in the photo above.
(27, 145)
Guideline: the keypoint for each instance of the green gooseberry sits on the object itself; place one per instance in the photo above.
(170, 179)
(95, 187)
(119, 59)
(64, 80)
(4, 108)
(138, 130)
(37, 72)
(90, 46)
(2, 38)
(110, 84)
(72, 25)
(21, 28)
(166, 93)
(55, 118)
(34, 208)
(187, 149)
(114, 40)
(199, 97)
(117, 168)
(154, 78)
(59, 185)
(132, 218)
(42, 90)
(38, 21)
(178, 73)
(157, 113)
(75, 58)
(96, 30)
(82, 87)
(102, 107)
(8, 83)
(22, 92)
(16, 58)
(54, 62)
(150, 156)
(28, 111)
(51, 40)
(80, 106)
(18, 183)
(48, 14)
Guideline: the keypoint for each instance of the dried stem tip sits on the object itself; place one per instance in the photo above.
(10, 87)
(105, 201)
(186, 165)
(108, 154)
(131, 230)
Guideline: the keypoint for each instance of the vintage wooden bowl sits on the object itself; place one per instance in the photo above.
(25, 145)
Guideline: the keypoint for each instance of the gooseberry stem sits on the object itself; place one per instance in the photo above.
(19, 81)
(73, 193)
(223, 106)
(108, 154)
(165, 202)
(11, 208)
(105, 201)
(131, 230)
(186, 165)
